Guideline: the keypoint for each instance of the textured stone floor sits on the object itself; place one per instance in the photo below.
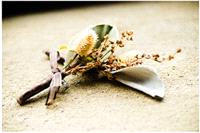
(159, 27)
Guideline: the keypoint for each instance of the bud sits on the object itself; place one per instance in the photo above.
(86, 43)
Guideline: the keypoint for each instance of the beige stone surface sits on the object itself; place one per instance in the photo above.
(159, 27)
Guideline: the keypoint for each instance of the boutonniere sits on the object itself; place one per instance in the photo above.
(93, 50)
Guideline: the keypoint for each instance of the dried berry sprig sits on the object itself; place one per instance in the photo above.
(112, 62)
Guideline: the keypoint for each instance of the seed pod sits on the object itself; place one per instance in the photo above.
(178, 50)
(86, 43)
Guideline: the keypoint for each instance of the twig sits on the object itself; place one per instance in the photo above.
(54, 87)
(38, 88)
(34, 90)
(53, 61)
(56, 80)
(41, 86)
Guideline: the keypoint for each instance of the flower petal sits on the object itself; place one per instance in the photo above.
(143, 78)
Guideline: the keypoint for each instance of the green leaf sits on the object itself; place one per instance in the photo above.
(101, 31)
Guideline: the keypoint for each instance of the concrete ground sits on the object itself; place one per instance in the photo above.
(159, 27)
